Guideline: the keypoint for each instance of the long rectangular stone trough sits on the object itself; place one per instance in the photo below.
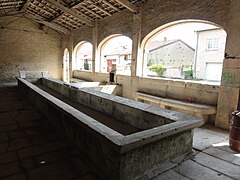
(161, 134)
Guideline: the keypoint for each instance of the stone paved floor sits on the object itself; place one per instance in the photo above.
(212, 158)
(30, 149)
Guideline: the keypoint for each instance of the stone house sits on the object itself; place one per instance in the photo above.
(173, 54)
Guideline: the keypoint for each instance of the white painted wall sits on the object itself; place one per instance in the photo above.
(204, 56)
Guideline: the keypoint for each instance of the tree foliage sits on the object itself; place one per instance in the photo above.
(158, 68)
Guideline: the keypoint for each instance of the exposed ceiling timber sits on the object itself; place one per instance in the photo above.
(41, 9)
(127, 4)
(49, 24)
(54, 26)
(98, 7)
(111, 5)
(72, 8)
(25, 5)
(71, 12)
(67, 15)
(92, 12)
(10, 3)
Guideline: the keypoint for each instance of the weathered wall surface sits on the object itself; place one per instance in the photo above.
(24, 47)
(177, 89)
(156, 13)
(121, 23)
(83, 34)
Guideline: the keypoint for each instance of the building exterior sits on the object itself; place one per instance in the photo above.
(173, 54)
(210, 54)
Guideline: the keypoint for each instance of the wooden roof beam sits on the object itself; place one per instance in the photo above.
(111, 5)
(69, 11)
(25, 5)
(49, 24)
(92, 12)
(11, 3)
(101, 9)
(127, 4)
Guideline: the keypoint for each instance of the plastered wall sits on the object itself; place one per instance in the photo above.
(23, 46)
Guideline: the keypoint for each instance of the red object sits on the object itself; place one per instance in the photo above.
(234, 136)
(109, 64)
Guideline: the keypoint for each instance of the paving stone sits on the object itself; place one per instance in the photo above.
(44, 138)
(51, 157)
(9, 169)
(8, 127)
(219, 165)
(3, 137)
(31, 123)
(193, 170)
(3, 147)
(18, 144)
(170, 175)
(27, 163)
(8, 157)
(60, 171)
(6, 121)
(35, 130)
(224, 155)
(225, 147)
(16, 177)
(38, 140)
(88, 177)
(16, 134)
(214, 130)
(203, 140)
(32, 151)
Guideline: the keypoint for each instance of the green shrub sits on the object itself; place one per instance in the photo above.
(150, 62)
(158, 68)
(86, 66)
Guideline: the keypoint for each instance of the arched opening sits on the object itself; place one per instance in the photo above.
(116, 49)
(189, 49)
(83, 56)
(66, 66)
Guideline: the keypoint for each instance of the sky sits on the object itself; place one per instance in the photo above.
(184, 31)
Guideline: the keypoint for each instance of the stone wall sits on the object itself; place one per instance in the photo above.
(176, 89)
(23, 46)
(153, 15)
(157, 13)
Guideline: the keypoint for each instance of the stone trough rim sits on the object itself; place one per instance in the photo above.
(127, 142)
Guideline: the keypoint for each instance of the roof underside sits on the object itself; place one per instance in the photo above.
(66, 15)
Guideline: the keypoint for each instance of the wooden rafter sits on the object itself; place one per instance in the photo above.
(25, 5)
(101, 9)
(11, 3)
(69, 11)
(42, 9)
(49, 24)
(127, 4)
(111, 5)
(92, 12)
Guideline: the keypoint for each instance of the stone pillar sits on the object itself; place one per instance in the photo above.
(70, 56)
(228, 98)
(136, 38)
(94, 43)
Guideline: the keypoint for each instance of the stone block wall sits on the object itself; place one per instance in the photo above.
(23, 46)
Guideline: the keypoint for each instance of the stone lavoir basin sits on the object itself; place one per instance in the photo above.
(124, 139)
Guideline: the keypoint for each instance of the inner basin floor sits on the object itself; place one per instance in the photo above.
(109, 121)
(31, 150)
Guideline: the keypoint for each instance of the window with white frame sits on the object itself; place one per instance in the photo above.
(212, 43)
